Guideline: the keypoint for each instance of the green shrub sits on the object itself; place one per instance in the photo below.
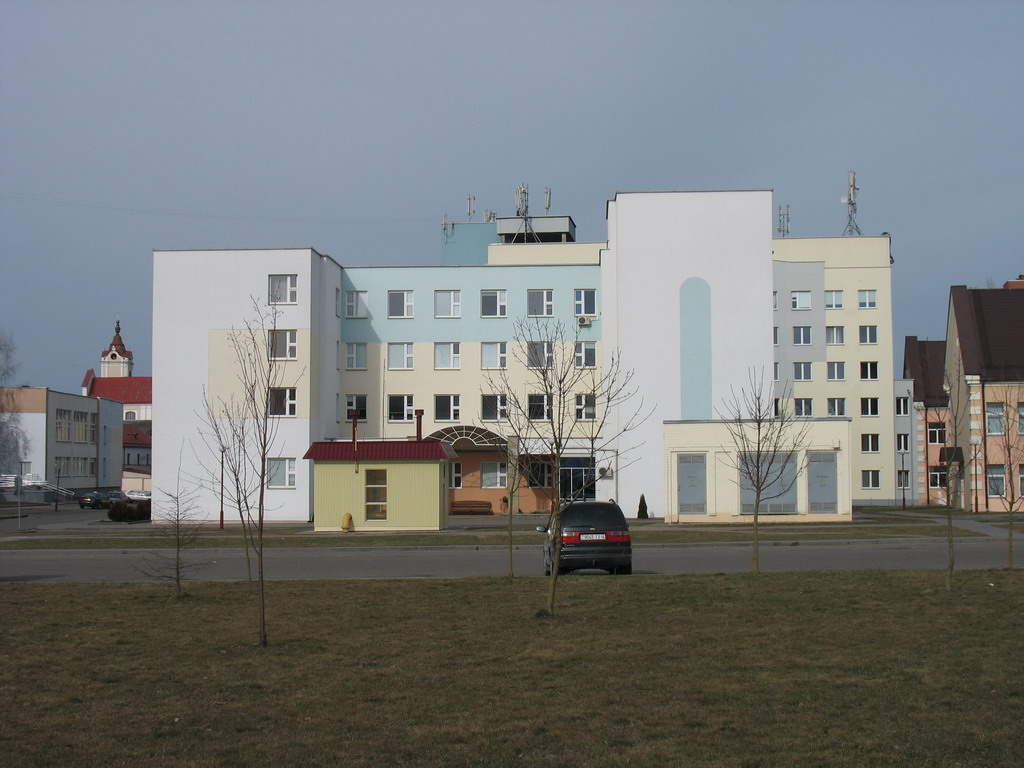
(641, 512)
(129, 511)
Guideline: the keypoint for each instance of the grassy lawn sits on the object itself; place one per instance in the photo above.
(845, 669)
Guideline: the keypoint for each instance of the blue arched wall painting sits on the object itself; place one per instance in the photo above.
(695, 350)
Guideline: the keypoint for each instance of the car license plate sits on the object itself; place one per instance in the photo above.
(591, 537)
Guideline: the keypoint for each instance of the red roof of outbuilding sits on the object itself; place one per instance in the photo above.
(123, 389)
(381, 450)
(135, 437)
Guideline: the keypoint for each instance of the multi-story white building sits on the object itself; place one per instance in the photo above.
(681, 291)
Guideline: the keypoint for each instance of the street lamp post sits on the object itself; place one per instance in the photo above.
(903, 476)
(222, 489)
(975, 442)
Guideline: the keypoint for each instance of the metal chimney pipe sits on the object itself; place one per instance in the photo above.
(419, 424)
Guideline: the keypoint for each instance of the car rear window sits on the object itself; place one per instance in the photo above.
(598, 515)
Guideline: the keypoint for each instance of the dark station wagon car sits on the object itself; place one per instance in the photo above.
(594, 534)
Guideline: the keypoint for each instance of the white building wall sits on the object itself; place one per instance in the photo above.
(687, 283)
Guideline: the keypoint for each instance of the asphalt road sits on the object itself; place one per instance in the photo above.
(454, 562)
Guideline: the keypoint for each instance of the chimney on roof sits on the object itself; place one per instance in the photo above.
(354, 415)
(1014, 285)
(419, 425)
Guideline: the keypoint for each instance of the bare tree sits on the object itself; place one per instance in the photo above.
(768, 440)
(563, 406)
(241, 430)
(179, 523)
(13, 440)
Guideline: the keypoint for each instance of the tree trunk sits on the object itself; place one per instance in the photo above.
(949, 544)
(755, 566)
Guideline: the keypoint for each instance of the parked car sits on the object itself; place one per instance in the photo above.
(114, 497)
(139, 495)
(93, 500)
(594, 534)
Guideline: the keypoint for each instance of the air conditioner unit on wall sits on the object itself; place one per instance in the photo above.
(584, 321)
(605, 471)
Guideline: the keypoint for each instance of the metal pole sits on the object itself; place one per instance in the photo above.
(222, 489)
(903, 477)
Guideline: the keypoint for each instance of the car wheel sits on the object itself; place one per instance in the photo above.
(624, 570)
(81, 505)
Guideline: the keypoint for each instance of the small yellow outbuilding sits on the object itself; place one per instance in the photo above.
(385, 485)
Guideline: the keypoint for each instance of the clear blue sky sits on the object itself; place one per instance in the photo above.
(353, 127)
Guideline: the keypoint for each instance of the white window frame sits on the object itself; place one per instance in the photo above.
(867, 298)
(837, 406)
(408, 409)
(833, 299)
(902, 406)
(800, 300)
(455, 475)
(496, 349)
(290, 289)
(352, 404)
(799, 371)
(452, 307)
(400, 356)
(938, 476)
(995, 418)
(500, 296)
(869, 370)
(545, 403)
(355, 353)
(835, 335)
(870, 479)
(803, 407)
(586, 406)
(902, 442)
(836, 370)
(500, 406)
(546, 299)
(995, 481)
(288, 401)
(870, 442)
(936, 432)
(287, 470)
(452, 407)
(585, 350)
(290, 343)
(775, 372)
(869, 406)
(356, 304)
(801, 335)
(493, 474)
(408, 306)
(447, 352)
(585, 301)
(775, 336)
(535, 350)
(869, 334)
(902, 479)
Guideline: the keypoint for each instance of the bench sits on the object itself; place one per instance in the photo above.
(471, 508)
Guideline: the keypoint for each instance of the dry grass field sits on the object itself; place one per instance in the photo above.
(844, 669)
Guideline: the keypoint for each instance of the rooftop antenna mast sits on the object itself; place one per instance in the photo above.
(784, 217)
(547, 200)
(470, 207)
(523, 211)
(851, 206)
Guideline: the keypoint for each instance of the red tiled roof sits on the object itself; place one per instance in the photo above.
(135, 437)
(124, 389)
(380, 450)
(990, 323)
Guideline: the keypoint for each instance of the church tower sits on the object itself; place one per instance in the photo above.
(115, 360)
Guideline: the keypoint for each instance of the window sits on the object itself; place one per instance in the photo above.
(280, 473)
(540, 302)
(869, 443)
(775, 372)
(836, 371)
(586, 301)
(355, 304)
(776, 408)
(400, 304)
(902, 442)
(902, 406)
(995, 480)
(837, 406)
(586, 354)
(869, 406)
(493, 304)
(355, 356)
(538, 407)
(284, 345)
(493, 354)
(869, 371)
(538, 474)
(802, 407)
(281, 401)
(337, 302)
(902, 479)
(446, 355)
(800, 299)
(937, 477)
(447, 303)
(493, 474)
(867, 299)
(801, 334)
(539, 354)
(128, 416)
(337, 355)
(63, 425)
(399, 356)
(936, 433)
(775, 335)
(1020, 418)
(586, 407)
(835, 334)
(869, 334)
(870, 479)
(801, 371)
(355, 403)
(494, 408)
(455, 476)
(400, 408)
(446, 407)
(376, 494)
(995, 418)
(284, 289)
(775, 299)
(833, 299)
